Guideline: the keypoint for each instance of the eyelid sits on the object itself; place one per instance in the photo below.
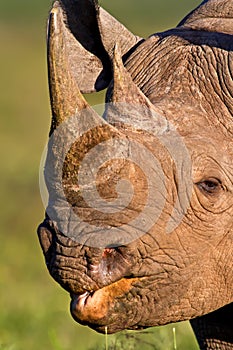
(210, 179)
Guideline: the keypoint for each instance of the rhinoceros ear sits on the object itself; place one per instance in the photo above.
(211, 15)
(90, 34)
(65, 96)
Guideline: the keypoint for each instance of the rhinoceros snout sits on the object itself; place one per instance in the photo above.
(80, 268)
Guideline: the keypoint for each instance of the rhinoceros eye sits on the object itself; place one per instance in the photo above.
(210, 186)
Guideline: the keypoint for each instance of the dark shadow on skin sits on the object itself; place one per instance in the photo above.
(83, 24)
(215, 325)
(200, 37)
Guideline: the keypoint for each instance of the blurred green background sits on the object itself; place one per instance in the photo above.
(33, 308)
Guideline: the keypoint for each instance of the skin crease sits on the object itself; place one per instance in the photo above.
(160, 277)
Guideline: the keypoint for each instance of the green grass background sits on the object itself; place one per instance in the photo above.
(33, 308)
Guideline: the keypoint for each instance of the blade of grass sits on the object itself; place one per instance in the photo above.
(174, 338)
(106, 338)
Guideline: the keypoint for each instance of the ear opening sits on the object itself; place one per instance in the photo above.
(90, 34)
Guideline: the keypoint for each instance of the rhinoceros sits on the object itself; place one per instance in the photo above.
(138, 226)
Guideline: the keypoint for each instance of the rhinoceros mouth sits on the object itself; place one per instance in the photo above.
(84, 306)
(99, 308)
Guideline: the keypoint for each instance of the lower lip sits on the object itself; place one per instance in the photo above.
(95, 307)
(80, 301)
(89, 308)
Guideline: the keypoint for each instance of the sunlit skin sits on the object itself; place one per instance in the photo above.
(170, 111)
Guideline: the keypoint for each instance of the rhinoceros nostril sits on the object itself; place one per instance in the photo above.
(113, 263)
(108, 252)
(108, 265)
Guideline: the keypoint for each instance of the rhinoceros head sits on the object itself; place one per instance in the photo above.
(138, 226)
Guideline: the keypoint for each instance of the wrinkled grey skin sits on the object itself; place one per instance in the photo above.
(185, 75)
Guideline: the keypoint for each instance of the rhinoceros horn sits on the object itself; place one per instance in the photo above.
(76, 128)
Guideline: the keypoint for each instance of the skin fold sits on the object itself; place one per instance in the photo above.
(169, 97)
